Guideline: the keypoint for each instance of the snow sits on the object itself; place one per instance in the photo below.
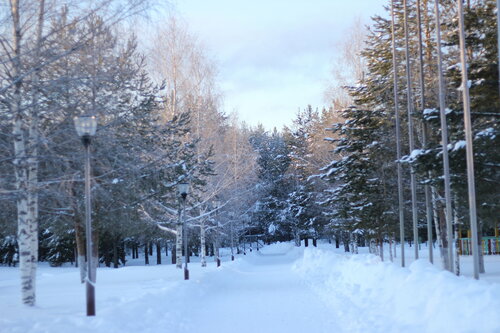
(421, 298)
(459, 145)
(489, 132)
(281, 288)
(416, 153)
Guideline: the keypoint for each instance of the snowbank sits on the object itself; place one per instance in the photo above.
(377, 296)
(279, 248)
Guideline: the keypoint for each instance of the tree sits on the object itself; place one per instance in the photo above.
(24, 57)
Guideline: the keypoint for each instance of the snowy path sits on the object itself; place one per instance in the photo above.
(280, 289)
(260, 294)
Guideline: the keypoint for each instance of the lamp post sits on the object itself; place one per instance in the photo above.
(216, 250)
(183, 190)
(232, 237)
(85, 128)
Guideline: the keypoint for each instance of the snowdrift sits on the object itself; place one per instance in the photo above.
(377, 296)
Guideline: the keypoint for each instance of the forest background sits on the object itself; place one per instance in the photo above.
(331, 174)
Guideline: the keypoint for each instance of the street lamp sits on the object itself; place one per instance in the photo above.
(231, 217)
(182, 191)
(85, 128)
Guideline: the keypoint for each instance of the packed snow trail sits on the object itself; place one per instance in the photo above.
(259, 293)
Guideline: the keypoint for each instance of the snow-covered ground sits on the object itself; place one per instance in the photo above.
(279, 289)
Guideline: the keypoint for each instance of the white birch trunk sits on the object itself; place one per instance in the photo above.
(33, 152)
(373, 247)
(80, 247)
(203, 245)
(297, 237)
(351, 242)
(216, 250)
(443, 250)
(356, 243)
(83, 267)
(21, 169)
(24, 225)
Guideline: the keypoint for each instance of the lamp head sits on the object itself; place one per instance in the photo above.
(183, 190)
(85, 125)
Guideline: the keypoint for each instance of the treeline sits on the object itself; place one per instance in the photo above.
(160, 123)
(354, 195)
(331, 174)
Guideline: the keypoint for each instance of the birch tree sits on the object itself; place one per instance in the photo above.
(23, 58)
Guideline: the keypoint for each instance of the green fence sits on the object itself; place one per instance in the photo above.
(490, 245)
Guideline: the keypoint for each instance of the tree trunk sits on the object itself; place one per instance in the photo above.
(33, 138)
(80, 247)
(395, 251)
(122, 255)
(356, 243)
(345, 240)
(482, 269)
(217, 252)
(174, 254)
(203, 245)
(115, 254)
(146, 254)
(457, 240)
(440, 226)
(21, 167)
(390, 249)
(214, 251)
(445, 246)
(297, 238)
(381, 240)
(158, 253)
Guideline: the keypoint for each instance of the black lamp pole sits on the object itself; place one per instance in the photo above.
(186, 255)
(88, 232)
(86, 127)
(183, 189)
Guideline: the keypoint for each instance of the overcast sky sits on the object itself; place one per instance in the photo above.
(274, 56)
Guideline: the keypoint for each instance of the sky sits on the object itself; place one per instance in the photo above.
(274, 56)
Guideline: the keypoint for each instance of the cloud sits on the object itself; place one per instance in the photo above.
(274, 56)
